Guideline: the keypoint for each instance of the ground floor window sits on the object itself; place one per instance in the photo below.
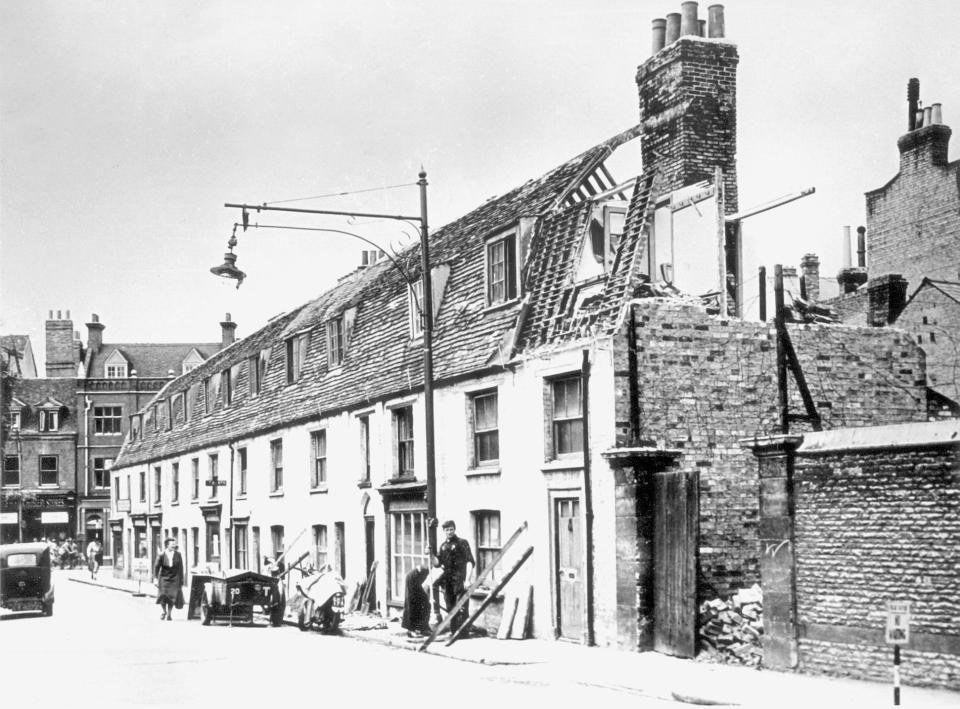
(319, 545)
(213, 541)
(195, 544)
(408, 547)
(487, 526)
(140, 550)
(276, 537)
(240, 546)
(117, 537)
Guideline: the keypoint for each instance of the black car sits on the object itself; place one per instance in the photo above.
(25, 583)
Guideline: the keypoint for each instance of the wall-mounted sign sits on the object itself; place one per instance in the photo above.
(54, 517)
(8, 518)
(898, 623)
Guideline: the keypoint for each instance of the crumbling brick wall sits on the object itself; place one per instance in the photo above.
(703, 384)
(933, 319)
(874, 526)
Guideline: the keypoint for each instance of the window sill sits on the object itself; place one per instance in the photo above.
(241, 496)
(276, 493)
(501, 306)
(364, 484)
(321, 490)
(482, 471)
(175, 503)
(558, 464)
(195, 501)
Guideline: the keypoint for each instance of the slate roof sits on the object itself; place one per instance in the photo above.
(381, 360)
(151, 360)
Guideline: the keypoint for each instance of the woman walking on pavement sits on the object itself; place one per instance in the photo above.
(168, 575)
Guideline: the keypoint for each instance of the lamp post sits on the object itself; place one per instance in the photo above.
(229, 270)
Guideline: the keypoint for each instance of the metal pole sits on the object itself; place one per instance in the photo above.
(587, 491)
(763, 293)
(781, 353)
(427, 315)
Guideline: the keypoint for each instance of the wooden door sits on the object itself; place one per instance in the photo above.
(675, 563)
(369, 529)
(569, 566)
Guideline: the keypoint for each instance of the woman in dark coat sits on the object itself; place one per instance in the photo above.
(168, 575)
(416, 602)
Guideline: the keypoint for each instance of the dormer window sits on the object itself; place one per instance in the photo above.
(115, 366)
(601, 241)
(335, 342)
(415, 305)
(191, 361)
(49, 420)
(501, 270)
(296, 356)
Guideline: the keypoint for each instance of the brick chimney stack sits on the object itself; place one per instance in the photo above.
(927, 138)
(227, 332)
(688, 101)
(887, 296)
(94, 334)
(61, 352)
(810, 268)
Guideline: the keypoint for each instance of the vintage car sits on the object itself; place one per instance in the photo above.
(25, 584)
(232, 594)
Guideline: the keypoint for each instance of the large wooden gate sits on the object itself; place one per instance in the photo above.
(675, 563)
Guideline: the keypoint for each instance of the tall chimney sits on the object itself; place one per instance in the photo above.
(94, 334)
(689, 22)
(810, 266)
(659, 34)
(715, 26)
(913, 103)
(673, 27)
(227, 334)
(847, 248)
(61, 352)
(861, 246)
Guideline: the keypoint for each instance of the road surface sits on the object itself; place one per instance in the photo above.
(103, 647)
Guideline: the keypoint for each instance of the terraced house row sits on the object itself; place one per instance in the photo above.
(571, 392)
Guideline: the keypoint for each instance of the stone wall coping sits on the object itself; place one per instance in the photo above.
(924, 434)
(629, 456)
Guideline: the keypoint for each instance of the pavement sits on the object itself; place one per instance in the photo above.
(646, 674)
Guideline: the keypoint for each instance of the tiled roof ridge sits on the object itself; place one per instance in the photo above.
(463, 332)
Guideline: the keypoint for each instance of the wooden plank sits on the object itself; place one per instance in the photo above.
(445, 623)
(521, 621)
(365, 603)
(490, 596)
(506, 621)
(675, 563)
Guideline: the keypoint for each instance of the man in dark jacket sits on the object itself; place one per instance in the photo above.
(168, 575)
(456, 560)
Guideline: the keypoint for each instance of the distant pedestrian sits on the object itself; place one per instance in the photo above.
(456, 560)
(416, 602)
(93, 557)
(168, 575)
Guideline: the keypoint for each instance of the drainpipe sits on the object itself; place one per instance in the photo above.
(88, 402)
(229, 534)
(587, 492)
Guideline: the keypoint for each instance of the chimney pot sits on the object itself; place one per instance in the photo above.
(862, 246)
(673, 28)
(68, 315)
(913, 101)
(936, 113)
(715, 25)
(689, 23)
(227, 332)
(659, 34)
(50, 316)
(59, 315)
(928, 115)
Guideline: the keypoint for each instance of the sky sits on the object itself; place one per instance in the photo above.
(126, 126)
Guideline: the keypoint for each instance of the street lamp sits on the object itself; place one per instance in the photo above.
(229, 270)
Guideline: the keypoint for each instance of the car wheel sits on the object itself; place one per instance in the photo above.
(205, 615)
(305, 616)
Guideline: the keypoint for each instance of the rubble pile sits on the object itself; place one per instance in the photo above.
(730, 631)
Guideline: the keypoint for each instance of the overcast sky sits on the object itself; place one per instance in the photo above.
(125, 126)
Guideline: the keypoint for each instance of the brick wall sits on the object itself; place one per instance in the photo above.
(703, 384)
(933, 320)
(874, 526)
(61, 351)
(914, 220)
(688, 102)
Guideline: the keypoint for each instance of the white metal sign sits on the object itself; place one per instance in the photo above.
(54, 517)
(898, 623)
